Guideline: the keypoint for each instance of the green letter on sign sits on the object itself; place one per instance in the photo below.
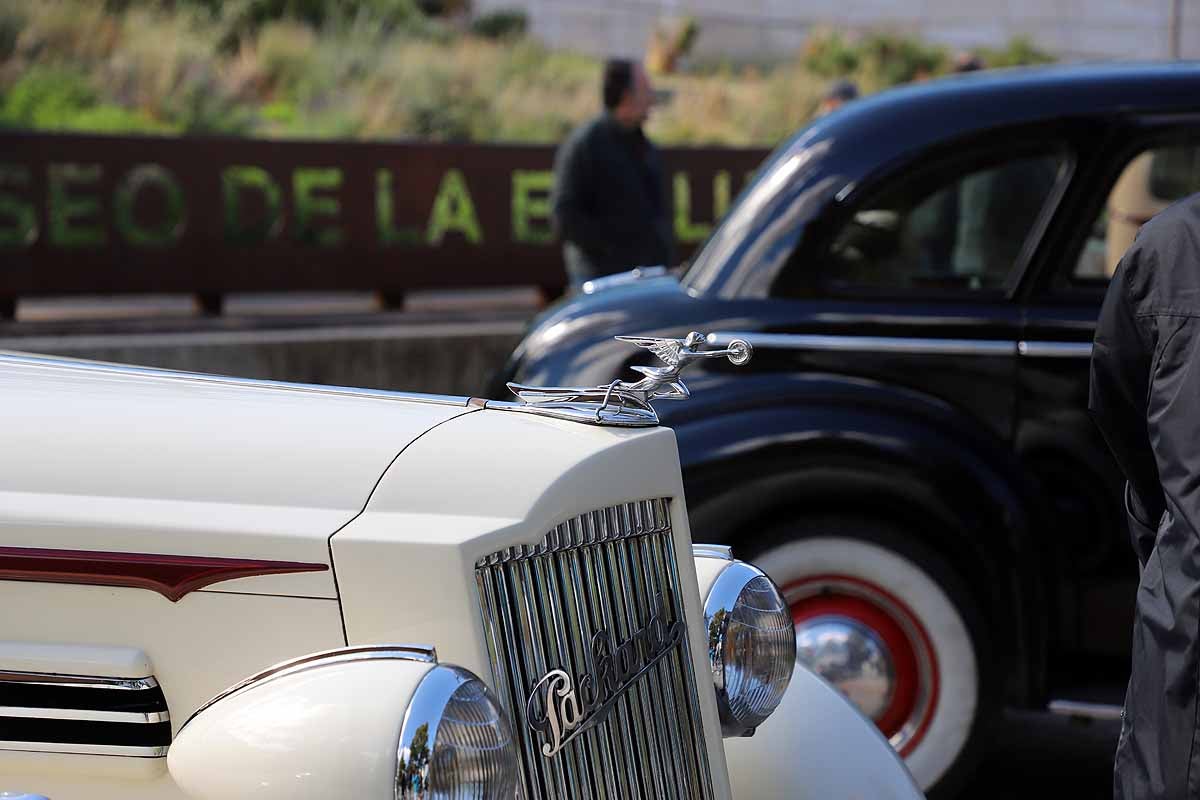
(235, 181)
(306, 182)
(385, 214)
(18, 220)
(531, 201)
(453, 211)
(66, 209)
(686, 230)
(174, 213)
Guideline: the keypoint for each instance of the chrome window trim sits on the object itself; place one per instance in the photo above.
(125, 751)
(422, 653)
(868, 344)
(1041, 349)
(86, 715)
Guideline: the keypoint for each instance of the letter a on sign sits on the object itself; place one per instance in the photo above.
(453, 210)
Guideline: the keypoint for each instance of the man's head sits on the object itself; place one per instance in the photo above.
(839, 93)
(627, 92)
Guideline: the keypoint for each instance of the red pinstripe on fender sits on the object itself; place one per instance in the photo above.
(170, 575)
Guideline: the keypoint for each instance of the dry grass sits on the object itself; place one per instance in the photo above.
(70, 64)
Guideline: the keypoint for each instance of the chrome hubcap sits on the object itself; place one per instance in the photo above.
(872, 648)
(851, 657)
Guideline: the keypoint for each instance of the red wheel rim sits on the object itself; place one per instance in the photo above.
(906, 716)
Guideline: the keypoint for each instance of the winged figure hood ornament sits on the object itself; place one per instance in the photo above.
(628, 403)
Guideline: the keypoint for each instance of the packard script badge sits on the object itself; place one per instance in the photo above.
(561, 707)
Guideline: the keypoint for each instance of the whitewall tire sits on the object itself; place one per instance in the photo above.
(876, 624)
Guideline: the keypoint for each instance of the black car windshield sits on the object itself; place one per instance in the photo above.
(775, 170)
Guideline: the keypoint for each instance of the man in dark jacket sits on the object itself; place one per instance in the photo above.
(610, 207)
(1145, 396)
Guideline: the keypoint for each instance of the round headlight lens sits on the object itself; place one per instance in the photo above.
(456, 742)
(751, 646)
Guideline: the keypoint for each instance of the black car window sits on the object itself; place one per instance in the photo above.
(1151, 181)
(960, 225)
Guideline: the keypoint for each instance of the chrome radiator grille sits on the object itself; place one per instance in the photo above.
(598, 597)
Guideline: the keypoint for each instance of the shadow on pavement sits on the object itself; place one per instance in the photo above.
(1045, 756)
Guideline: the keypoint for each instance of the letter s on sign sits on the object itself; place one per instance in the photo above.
(18, 220)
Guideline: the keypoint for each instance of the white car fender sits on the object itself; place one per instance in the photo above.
(817, 746)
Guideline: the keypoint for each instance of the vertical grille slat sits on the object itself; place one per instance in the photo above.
(543, 606)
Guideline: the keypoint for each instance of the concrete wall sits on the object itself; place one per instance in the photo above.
(1073, 29)
(440, 358)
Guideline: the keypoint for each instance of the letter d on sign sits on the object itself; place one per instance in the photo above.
(238, 181)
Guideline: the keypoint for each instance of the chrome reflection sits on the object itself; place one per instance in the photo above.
(852, 657)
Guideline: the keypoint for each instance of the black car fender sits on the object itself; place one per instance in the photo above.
(751, 466)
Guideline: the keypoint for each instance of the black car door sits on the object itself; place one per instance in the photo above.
(1147, 165)
(911, 281)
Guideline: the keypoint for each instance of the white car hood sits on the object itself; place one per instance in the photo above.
(201, 465)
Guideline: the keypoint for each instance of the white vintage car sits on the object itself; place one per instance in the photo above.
(224, 589)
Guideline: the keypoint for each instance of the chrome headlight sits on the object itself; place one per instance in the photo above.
(456, 742)
(751, 646)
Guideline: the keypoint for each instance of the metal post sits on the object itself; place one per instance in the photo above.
(1174, 28)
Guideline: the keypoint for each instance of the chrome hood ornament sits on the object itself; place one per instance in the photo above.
(628, 403)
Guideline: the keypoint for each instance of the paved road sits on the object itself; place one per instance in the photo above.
(1043, 756)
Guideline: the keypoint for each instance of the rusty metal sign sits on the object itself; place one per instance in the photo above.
(99, 214)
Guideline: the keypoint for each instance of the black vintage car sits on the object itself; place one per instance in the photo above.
(909, 453)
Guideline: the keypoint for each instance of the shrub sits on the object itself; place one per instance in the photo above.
(829, 55)
(505, 23)
(47, 98)
(1020, 51)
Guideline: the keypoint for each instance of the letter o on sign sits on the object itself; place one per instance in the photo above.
(172, 218)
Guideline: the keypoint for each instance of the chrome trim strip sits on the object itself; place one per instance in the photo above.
(721, 551)
(14, 357)
(1055, 349)
(867, 344)
(86, 715)
(78, 681)
(156, 751)
(405, 652)
(1077, 708)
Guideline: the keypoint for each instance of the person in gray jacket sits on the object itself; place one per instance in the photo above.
(609, 201)
(1145, 396)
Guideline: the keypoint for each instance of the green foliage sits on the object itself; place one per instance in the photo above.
(900, 59)
(1019, 52)
(385, 69)
(63, 100)
(443, 107)
(11, 24)
(505, 23)
(830, 55)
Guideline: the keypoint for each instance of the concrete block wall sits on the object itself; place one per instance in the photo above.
(451, 358)
(1072, 29)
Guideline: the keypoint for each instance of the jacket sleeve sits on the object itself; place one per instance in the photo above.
(1120, 382)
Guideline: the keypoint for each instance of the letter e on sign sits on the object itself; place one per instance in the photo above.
(75, 217)
(531, 202)
(306, 182)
